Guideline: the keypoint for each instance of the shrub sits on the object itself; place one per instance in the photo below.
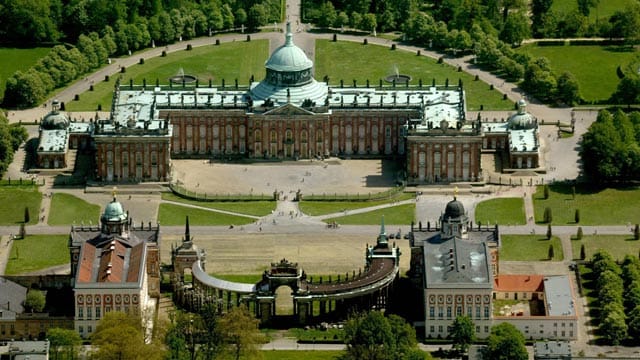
(579, 233)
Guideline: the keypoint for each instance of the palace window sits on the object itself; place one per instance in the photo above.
(432, 311)
(469, 310)
(89, 316)
(458, 310)
(274, 136)
(80, 312)
(477, 312)
(440, 311)
(448, 312)
(486, 312)
(97, 312)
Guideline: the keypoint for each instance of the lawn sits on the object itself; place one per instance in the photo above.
(301, 354)
(617, 245)
(255, 208)
(597, 206)
(503, 211)
(67, 209)
(604, 9)
(314, 208)
(12, 60)
(13, 200)
(229, 61)
(593, 66)
(349, 60)
(395, 215)
(529, 248)
(37, 252)
(316, 334)
(172, 215)
(241, 278)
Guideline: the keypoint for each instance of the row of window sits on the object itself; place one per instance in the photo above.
(82, 311)
(449, 309)
(432, 329)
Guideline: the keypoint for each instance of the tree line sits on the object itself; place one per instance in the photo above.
(100, 29)
(610, 150)
(618, 297)
(52, 21)
(11, 136)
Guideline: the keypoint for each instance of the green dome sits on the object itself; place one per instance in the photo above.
(114, 211)
(522, 119)
(289, 57)
(454, 209)
(55, 121)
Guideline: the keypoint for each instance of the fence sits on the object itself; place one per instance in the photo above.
(384, 195)
(194, 195)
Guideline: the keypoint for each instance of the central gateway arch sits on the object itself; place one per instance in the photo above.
(328, 298)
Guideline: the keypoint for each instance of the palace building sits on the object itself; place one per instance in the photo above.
(456, 267)
(290, 115)
(114, 267)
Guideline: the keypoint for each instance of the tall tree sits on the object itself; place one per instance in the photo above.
(121, 336)
(506, 342)
(462, 333)
(239, 330)
(64, 343)
(35, 301)
(369, 336)
(568, 89)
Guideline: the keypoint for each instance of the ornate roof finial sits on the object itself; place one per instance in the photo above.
(113, 192)
(382, 238)
(288, 36)
(187, 236)
(455, 192)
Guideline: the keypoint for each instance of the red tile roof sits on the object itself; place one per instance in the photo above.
(117, 261)
(520, 283)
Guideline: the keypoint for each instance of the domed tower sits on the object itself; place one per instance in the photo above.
(522, 119)
(114, 220)
(454, 221)
(289, 76)
(55, 120)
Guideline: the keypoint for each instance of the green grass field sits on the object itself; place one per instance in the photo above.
(529, 248)
(349, 60)
(12, 60)
(67, 209)
(255, 208)
(395, 215)
(241, 278)
(171, 215)
(593, 66)
(504, 211)
(37, 252)
(227, 61)
(597, 206)
(604, 9)
(315, 208)
(617, 245)
(13, 200)
(301, 355)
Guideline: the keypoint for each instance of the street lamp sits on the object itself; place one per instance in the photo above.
(192, 345)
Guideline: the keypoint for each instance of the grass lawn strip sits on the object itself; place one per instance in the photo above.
(37, 252)
(345, 60)
(13, 200)
(395, 215)
(616, 245)
(67, 209)
(14, 59)
(597, 206)
(529, 248)
(315, 208)
(172, 215)
(253, 208)
(581, 61)
(301, 354)
(504, 211)
(229, 61)
(602, 10)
